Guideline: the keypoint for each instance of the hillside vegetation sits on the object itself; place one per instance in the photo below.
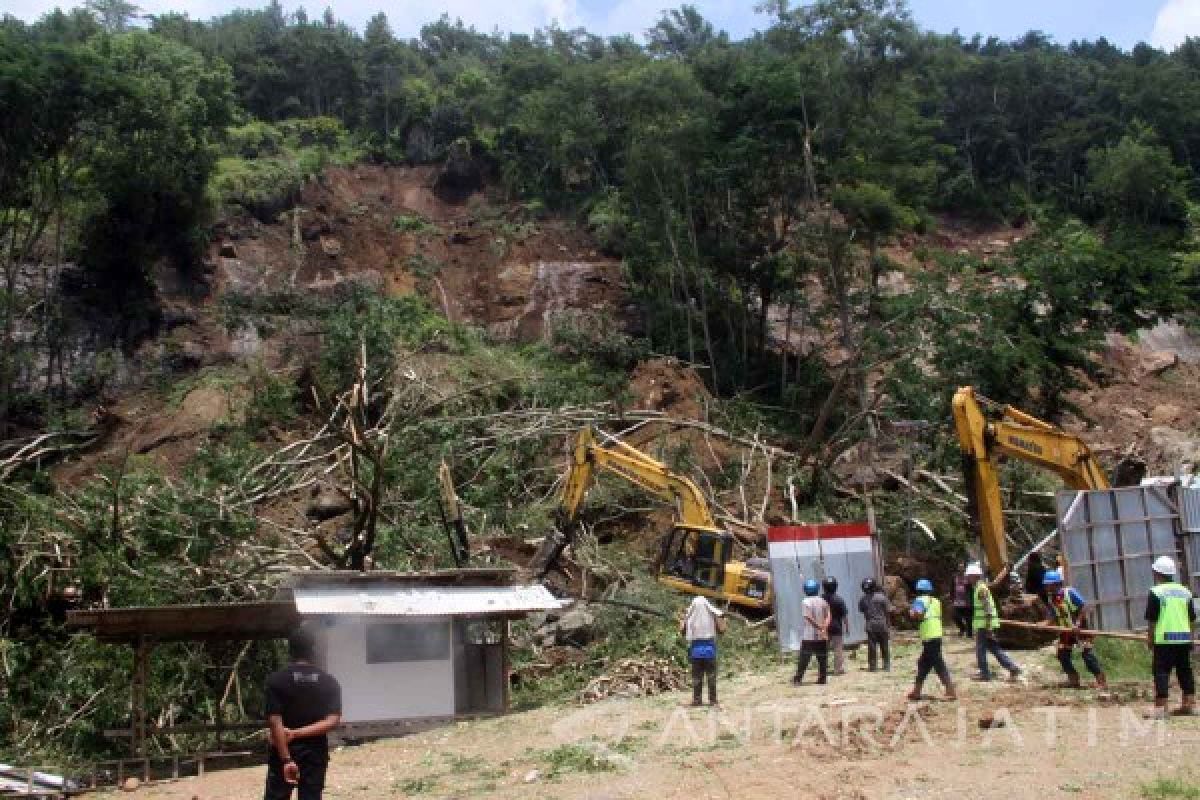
(261, 273)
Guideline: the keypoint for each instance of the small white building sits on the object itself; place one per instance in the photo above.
(413, 650)
(410, 650)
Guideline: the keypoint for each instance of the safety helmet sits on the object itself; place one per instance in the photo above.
(868, 585)
(1165, 566)
(1051, 576)
(924, 585)
(974, 570)
(811, 587)
(830, 584)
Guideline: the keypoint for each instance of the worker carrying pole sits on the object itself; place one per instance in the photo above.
(1171, 615)
(985, 622)
(1069, 610)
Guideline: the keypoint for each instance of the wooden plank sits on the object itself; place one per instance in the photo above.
(1035, 626)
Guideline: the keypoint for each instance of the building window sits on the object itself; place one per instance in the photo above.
(388, 643)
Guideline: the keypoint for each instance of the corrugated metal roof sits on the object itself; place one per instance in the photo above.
(228, 621)
(473, 576)
(423, 601)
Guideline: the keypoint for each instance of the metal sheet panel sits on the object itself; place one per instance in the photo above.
(1189, 508)
(424, 601)
(847, 552)
(1109, 540)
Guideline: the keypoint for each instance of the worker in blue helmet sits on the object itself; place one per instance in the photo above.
(927, 610)
(1069, 610)
(814, 633)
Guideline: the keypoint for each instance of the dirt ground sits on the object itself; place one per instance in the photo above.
(772, 739)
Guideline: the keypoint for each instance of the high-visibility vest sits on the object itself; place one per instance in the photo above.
(983, 600)
(931, 623)
(1174, 625)
(1064, 608)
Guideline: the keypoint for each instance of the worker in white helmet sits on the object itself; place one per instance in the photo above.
(1171, 616)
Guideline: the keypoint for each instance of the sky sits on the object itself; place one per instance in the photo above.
(1164, 23)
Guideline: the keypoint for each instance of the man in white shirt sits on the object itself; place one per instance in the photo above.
(814, 634)
(700, 626)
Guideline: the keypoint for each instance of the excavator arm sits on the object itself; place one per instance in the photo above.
(639, 469)
(1011, 432)
(695, 554)
(588, 455)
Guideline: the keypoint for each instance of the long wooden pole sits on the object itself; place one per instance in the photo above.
(1034, 626)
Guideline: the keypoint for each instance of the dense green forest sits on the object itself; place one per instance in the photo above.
(709, 165)
(732, 178)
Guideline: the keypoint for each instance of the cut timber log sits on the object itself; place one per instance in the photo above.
(1132, 637)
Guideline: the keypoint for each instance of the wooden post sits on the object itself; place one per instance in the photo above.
(504, 664)
(141, 663)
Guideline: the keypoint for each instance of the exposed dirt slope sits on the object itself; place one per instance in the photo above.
(386, 228)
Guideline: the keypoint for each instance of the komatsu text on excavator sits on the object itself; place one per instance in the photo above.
(695, 556)
(988, 430)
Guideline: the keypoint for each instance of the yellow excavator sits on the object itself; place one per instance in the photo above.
(988, 430)
(696, 554)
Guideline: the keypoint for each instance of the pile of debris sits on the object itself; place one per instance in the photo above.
(1024, 608)
(636, 677)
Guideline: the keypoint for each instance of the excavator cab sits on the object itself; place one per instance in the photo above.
(696, 556)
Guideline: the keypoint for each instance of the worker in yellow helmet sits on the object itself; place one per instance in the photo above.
(1171, 616)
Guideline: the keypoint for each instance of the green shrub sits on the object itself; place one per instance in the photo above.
(570, 758)
(1170, 789)
(256, 139)
(326, 132)
(272, 401)
(411, 223)
(265, 184)
(1124, 660)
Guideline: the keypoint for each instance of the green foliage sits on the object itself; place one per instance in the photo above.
(262, 185)
(273, 401)
(1170, 789)
(874, 208)
(152, 156)
(411, 223)
(255, 139)
(374, 326)
(265, 166)
(598, 338)
(1123, 660)
(1137, 180)
(568, 758)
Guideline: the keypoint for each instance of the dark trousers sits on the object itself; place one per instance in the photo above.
(986, 643)
(1177, 657)
(878, 641)
(1066, 647)
(808, 649)
(312, 775)
(700, 668)
(931, 660)
(962, 618)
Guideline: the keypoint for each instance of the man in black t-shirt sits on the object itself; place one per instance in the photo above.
(837, 624)
(303, 704)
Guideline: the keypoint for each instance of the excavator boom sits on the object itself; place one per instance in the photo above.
(695, 553)
(1012, 432)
